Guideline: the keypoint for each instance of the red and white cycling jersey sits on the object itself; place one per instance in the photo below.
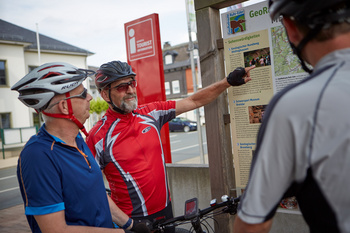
(129, 150)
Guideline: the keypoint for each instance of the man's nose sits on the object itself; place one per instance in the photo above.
(130, 89)
(89, 97)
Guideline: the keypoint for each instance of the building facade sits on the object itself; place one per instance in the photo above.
(178, 74)
(18, 56)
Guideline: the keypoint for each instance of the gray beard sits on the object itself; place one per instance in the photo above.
(128, 106)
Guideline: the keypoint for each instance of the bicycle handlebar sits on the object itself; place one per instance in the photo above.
(230, 204)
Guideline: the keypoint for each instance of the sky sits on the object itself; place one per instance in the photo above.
(96, 25)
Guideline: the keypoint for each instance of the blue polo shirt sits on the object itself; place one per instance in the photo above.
(54, 176)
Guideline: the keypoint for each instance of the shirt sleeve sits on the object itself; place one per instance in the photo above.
(40, 181)
(161, 111)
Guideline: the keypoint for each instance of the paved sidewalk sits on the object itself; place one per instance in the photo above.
(13, 220)
(10, 162)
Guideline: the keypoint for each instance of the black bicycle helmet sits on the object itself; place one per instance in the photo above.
(110, 72)
(39, 86)
(311, 12)
(316, 14)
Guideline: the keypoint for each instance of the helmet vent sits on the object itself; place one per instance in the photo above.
(51, 74)
(48, 67)
(31, 101)
(31, 92)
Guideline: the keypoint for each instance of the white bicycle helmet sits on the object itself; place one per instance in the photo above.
(38, 87)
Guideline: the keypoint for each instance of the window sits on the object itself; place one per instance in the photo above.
(5, 121)
(176, 86)
(195, 53)
(168, 59)
(37, 120)
(2, 73)
(167, 88)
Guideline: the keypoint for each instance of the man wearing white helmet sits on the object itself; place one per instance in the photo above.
(303, 145)
(61, 184)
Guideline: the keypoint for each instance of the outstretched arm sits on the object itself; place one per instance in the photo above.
(206, 95)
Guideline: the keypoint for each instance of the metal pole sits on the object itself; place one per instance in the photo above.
(2, 143)
(194, 80)
(38, 43)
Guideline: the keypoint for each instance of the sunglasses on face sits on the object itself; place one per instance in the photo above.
(123, 87)
(82, 95)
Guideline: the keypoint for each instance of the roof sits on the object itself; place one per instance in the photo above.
(179, 64)
(14, 33)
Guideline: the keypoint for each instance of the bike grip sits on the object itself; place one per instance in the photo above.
(237, 199)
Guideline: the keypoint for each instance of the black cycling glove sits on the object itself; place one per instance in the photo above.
(235, 78)
(140, 226)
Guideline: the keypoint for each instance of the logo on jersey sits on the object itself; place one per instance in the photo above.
(145, 130)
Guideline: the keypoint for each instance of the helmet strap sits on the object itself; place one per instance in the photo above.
(114, 107)
(70, 116)
(298, 49)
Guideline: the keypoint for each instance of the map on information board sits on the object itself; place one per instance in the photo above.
(285, 62)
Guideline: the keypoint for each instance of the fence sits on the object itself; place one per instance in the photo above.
(15, 137)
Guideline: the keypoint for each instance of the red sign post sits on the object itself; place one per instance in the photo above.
(144, 52)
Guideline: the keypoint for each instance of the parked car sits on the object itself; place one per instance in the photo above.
(182, 124)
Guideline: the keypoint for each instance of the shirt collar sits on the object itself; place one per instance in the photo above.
(78, 137)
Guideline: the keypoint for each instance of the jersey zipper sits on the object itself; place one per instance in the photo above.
(85, 157)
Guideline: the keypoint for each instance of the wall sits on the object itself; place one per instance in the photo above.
(15, 70)
(174, 75)
(31, 59)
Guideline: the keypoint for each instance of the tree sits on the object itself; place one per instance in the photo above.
(98, 106)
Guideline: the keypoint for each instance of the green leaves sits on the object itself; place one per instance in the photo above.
(98, 106)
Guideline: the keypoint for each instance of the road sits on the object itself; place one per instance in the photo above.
(184, 146)
(9, 189)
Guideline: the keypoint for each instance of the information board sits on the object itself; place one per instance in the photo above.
(251, 38)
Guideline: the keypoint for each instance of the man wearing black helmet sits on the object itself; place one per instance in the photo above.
(303, 147)
(126, 141)
(57, 174)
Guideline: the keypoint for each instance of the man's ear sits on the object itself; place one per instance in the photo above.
(294, 34)
(63, 107)
(105, 95)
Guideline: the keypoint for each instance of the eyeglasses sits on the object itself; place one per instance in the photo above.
(123, 87)
(82, 95)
